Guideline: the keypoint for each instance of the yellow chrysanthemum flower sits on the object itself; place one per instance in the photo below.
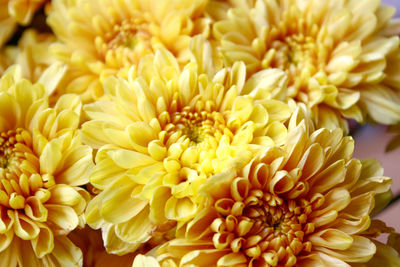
(307, 203)
(342, 57)
(108, 37)
(162, 134)
(42, 163)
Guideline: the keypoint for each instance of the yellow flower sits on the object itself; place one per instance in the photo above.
(162, 134)
(107, 37)
(42, 163)
(342, 57)
(307, 203)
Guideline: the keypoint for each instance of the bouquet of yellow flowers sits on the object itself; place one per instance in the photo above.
(195, 132)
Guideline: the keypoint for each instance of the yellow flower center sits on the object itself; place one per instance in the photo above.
(294, 53)
(264, 227)
(128, 34)
(196, 126)
(126, 43)
(298, 55)
(197, 139)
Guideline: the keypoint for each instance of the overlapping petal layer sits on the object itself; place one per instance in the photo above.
(98, 39)
(42, 163)
(163, 134)
(308, 203)
(342, 57)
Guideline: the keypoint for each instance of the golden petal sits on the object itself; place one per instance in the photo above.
(117, 203)
(50, 157)
(198, 227)
(140, 135)
(62, 216)
(6, 239)
(113, 244)
(361, 250)
(331, 238)
(232, 259)
(66, 253)
(128, 159)
(92, 214)
(35, 209)
(145, 261)
(77, 164)
(157, 204)
(24, 227)
(137, 229)
(44, 243)
(203, 257)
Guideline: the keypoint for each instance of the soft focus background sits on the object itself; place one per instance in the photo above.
(370, 142)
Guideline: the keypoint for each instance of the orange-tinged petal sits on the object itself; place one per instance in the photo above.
(332, 238)
(44, 243)
(24, 227)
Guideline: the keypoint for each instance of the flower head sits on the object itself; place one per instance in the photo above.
(307, 203)
(165, 132)
(342, 57)
(97, 40)
(42, 163)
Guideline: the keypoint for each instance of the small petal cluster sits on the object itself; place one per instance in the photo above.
(36, 64)
(14, 12)
(164, 133)
(42, 163)
(341, 57)
(99, 40)
(308, 203)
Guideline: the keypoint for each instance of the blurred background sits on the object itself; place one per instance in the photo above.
(370, 142)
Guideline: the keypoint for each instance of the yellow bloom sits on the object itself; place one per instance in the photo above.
(342, 57)
(107, 37)
(307, 203)
(42, 163)
(162, 134)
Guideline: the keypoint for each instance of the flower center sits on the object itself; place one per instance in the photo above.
(197, 127)
(295, 54)
(126, 43)
(263, 227)
(128, 34)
